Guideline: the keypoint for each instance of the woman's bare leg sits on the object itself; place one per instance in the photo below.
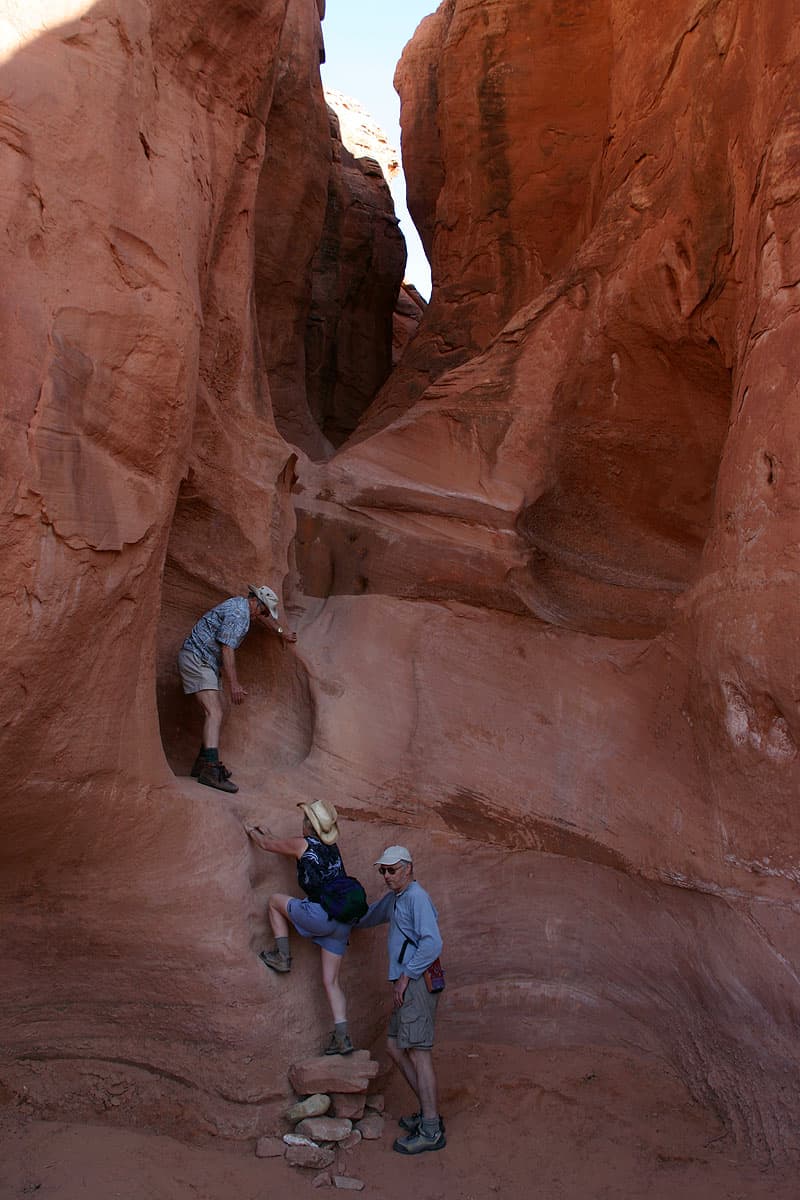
(331, 965)
(278, 916)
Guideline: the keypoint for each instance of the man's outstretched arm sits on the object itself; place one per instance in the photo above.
(378, 913)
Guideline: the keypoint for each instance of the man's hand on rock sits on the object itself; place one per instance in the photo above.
(237, 693)
(288, 636)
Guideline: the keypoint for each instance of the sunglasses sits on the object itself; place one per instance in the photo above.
(391, 870)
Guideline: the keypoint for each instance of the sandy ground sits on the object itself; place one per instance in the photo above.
(577, 1124)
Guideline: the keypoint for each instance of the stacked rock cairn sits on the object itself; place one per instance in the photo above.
(335, 1113)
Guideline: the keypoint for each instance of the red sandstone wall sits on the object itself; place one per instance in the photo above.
(544, 598)
(142, 479)
(605, 471)
(618, 445)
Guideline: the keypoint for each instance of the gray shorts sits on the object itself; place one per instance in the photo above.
(196, 676)
(311, 921)
(412, 1023)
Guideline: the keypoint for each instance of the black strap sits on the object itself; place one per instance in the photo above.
(408, 942)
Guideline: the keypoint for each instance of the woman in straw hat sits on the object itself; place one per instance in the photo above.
(318, 862)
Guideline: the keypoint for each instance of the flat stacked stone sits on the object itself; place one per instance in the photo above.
(335, 1089)
(334, 1073)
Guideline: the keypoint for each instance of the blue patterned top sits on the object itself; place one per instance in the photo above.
(318, 864)
(226, 624)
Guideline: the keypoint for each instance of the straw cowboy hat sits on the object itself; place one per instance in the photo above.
(322, 816)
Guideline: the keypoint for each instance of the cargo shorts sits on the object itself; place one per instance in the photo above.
(196, 676)
(412, 1024)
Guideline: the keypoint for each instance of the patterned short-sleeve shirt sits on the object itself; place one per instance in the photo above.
(226, 624)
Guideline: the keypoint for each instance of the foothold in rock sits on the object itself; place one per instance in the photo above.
(313, 1106)
(371, 1126)
(270, 1147)
(325, 1129)
(348, 1183)
(319, 1157)
(377, 1102)
(322, 1180)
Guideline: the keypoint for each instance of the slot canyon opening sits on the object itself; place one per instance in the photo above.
(344, 247)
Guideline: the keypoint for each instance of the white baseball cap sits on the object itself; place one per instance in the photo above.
(265, 597)
(393, 855)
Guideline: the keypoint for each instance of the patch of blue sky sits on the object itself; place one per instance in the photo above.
(363, 43)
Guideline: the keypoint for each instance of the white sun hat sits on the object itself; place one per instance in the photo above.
(265, 597)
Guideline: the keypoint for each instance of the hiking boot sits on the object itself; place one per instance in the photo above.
(217, 775)
(276, 960)
(200, 762)
(411, 1124)
(338, 1045)
(419, 1142)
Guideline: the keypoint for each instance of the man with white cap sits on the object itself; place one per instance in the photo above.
(208, 653)
(415, 944)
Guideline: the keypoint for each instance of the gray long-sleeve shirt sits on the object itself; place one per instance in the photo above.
(411, 915)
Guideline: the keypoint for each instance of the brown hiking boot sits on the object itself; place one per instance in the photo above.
(276, 960)
(200, 762)
(216, 775)
(338, 1045)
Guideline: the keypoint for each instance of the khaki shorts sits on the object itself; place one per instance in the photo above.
(412, 1023)
(196, 676)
